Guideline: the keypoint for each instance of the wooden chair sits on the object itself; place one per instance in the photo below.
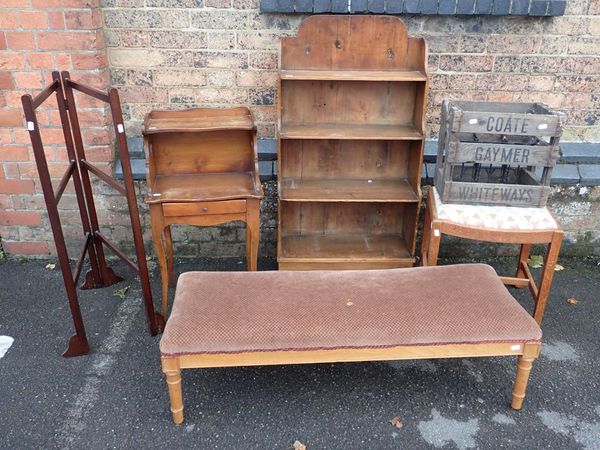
(202, 170)
(499, 224)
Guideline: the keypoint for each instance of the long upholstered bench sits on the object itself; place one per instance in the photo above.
(261, 318)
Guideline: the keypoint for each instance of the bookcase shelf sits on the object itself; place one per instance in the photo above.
(350, 135)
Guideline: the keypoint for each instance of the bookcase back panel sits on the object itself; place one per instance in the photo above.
(352, 42)
(346, 159)
(348, 102)
(366, 219)
(184, 153)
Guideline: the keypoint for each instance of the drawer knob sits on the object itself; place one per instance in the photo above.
(205, 209)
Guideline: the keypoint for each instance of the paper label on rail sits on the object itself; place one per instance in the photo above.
(5, 343)
(30, 125)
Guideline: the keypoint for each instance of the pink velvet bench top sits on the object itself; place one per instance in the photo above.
(237, 312)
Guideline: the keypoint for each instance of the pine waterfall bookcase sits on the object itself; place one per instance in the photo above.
(352, 96)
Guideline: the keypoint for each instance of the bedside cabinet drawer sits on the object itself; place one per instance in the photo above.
(204, 208)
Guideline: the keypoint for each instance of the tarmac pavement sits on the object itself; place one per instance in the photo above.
(116, 397)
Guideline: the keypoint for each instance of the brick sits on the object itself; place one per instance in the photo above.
(17, 186)
(143, 94)
(8, 19)
(70, 40)
(20, 40)
(138, 77)
(138, 18)
(251, 78)
(412, 6)
(2, 41)
(221, 40)
(179, 78)
(467, 63)
(12, 218)
(339, 6)
(261, 96)
(394, 6)
(40, 61)
(10, 118)
(81, 4)
(26, 248)
(182, 95)
(321, 6)
(134, 38)
(177, 39)
(219, 20)
(33, 20)
(377, 6)
(501, 7)
(6, 81)
(221, 60)
(538, 7)
(513, 44)
(89, 61)
(359, 6)
(585, 46)
(465, 6)
(222, 78)
(257, 41)
(28, 80)
(56, 20)
(483, 6)
(135, 57)
(83, 20)
(175, 3)
(257, 60)
(208, 96)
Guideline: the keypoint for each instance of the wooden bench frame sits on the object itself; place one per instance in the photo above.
(526, 352)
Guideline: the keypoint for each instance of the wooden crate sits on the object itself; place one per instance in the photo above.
(493, 153)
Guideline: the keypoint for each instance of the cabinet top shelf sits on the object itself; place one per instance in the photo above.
(349, 131)
(354, 75)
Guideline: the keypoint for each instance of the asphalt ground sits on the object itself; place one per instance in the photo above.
(116, 397)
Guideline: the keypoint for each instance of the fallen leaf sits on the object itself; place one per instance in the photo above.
(397, 422)
(299, 446)
(572, 301)
(558, 268)
(51, 266)
(122, 293)
(148, 257)
(536, 261)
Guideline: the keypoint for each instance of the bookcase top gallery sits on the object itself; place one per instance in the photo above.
(351, 103)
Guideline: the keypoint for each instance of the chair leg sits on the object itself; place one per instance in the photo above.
(252, 232)
(547, 275)
(433, 245)
(169, 249)
(173, 374)
(524, 364)
(157, 237)
(523, 256)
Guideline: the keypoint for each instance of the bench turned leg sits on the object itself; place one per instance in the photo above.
(524, 364)
(173, 373)
(169, 251)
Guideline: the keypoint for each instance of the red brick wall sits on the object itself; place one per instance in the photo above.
(37, 36)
